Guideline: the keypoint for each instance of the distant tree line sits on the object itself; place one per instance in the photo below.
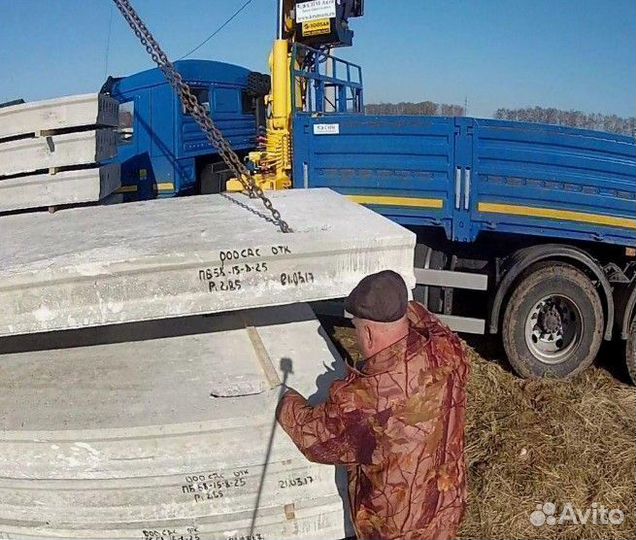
(423, 108)
(600, 122)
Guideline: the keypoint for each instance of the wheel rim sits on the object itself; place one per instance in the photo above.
(554, 328)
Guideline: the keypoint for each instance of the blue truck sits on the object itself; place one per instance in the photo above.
(524, 230)
(162, 151)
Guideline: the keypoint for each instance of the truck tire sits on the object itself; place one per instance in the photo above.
(630, 351)
(434, 301)
(553, 323)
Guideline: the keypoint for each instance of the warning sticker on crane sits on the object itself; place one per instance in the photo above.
(315, 10)
(317, 28)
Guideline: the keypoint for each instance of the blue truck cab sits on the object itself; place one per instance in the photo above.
(162, 151)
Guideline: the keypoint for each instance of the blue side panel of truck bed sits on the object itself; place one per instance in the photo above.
(554, 181)
(391, 160)
(470, 175)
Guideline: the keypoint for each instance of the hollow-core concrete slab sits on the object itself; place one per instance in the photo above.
(170, 258)
(124, 441)
(57, 151)
(59, 113)
(68, 187)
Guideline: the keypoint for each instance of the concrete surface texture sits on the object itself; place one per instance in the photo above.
(59, 113)
(170, 258)
(122, 440)
(65, 150)
(67, 187)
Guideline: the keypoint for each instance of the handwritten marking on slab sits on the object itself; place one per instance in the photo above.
(295, 482)
(189, 533)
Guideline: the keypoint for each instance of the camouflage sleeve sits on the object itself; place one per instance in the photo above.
(332, 433)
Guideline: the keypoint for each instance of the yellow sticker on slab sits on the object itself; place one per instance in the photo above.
(317, 28)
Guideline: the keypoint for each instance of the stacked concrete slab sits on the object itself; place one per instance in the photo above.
(51, 152)
(192, 255)
(140, 365)
(129, 440)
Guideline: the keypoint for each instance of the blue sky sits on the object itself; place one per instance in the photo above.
(571, 54)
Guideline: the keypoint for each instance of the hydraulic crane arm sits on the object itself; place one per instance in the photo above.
(316, 23)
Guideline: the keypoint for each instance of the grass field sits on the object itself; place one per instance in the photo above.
(535, 442)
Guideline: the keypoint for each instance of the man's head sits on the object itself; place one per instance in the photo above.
(378, 305)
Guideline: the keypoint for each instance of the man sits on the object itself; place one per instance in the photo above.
(397, 422)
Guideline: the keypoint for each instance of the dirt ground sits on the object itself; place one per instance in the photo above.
(534, 442)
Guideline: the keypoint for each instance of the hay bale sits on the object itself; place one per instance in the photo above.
(532, 442)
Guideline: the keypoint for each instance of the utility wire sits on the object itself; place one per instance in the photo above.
(108, 35)
(228, 21)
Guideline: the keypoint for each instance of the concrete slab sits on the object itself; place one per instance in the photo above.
(66, 150)
(60, 113)
(170, 258)
(67, 187)
(119, 440)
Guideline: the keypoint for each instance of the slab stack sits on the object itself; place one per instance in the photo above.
(140, 365)
(51, 152)
(166, 438)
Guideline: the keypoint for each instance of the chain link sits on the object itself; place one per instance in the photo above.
(197, 111)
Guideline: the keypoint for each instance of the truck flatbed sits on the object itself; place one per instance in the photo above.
(470, 176)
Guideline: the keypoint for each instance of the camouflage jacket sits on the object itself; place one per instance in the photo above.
(398, 427)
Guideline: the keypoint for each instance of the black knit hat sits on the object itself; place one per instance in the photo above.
(380, 297)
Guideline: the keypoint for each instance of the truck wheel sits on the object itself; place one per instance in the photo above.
(553, 323)
(630, 353)
(434, 301)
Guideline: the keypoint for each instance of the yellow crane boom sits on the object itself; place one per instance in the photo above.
(320, 23)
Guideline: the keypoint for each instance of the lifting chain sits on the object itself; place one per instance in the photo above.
(197, 111)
